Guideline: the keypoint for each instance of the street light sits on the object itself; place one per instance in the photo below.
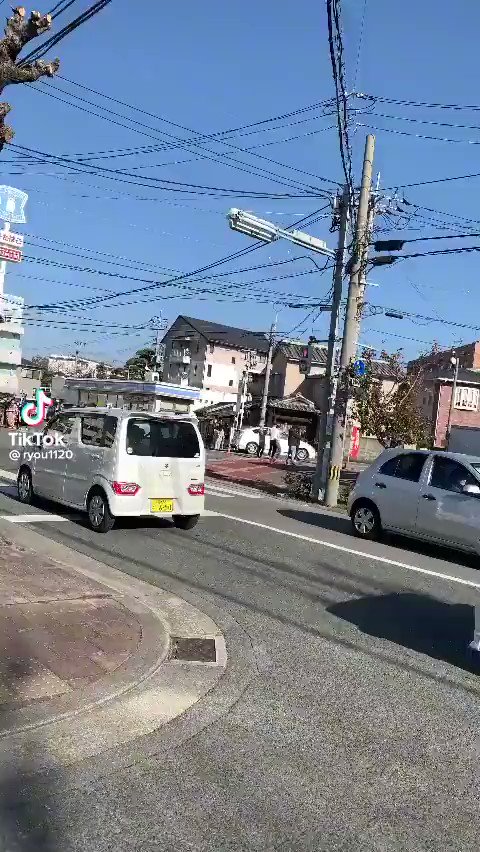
(261, 229)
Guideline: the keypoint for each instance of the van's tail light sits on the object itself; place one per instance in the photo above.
(130, 488)
(196, 489)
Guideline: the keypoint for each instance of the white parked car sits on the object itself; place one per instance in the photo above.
(115, 463)
(434, 496)
(247, 441)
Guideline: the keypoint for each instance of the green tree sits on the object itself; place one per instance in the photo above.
(101, 371)
(141, 361)
(389, 413)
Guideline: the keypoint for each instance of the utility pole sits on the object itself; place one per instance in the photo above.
(324, 439)
(268, 370)
(352, 323)
(455, 362)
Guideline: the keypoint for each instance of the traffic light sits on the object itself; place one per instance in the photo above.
(306, 356)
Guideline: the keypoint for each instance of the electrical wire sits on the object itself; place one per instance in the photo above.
(360, 44)
(186, 144)
(42, 49)
(172, 186)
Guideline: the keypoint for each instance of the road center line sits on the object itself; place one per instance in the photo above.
(384, 559)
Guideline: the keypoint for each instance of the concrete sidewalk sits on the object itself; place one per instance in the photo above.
(60, 631)
(91, 658)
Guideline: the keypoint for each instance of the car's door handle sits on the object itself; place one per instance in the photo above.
(428, 497)
(380, 485)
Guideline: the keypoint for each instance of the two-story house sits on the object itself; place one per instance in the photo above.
(286, 380)
(435, 388)
(212, 357)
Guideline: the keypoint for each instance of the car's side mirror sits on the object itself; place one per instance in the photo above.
(471, 489)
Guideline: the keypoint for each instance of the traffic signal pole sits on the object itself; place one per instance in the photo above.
(323, 436)
(352, 325)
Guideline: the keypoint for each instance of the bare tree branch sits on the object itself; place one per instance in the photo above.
(18, 32)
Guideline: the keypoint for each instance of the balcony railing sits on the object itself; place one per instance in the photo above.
(180, 356)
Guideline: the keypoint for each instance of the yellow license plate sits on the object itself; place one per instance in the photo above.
(162, 505)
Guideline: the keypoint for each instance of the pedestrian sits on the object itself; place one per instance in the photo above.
(293, 443)
(274, 442)
(261, 442)
(220, 438)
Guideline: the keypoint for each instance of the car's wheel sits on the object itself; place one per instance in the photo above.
(185, 522)
(252, 448)
(100, 518)
(302, 454)
(24, 485)
(366, 520)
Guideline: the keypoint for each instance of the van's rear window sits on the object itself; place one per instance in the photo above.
(167, 438)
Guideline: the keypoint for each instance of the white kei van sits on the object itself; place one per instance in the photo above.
(114, 463)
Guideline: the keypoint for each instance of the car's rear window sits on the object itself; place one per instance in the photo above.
(162, 438)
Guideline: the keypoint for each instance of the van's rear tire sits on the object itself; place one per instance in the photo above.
(185, 522)
(100, 517)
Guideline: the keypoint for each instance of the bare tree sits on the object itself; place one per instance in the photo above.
(18, 32)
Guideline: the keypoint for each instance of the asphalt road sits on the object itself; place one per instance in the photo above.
(352, 725)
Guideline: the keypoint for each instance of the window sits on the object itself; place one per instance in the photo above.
(212, 347)
(198, 347)
(230, 384)
(209, 370)
(467, 398)
(98, 430)
(195, 370)
(63, 425)
(450, 475)
(405, 466)
(162, 438)
(233, 359)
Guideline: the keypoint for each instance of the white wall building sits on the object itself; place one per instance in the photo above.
(11, 332)
(68, 365)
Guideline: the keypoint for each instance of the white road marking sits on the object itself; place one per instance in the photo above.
(219, 490)
(385, 560)
(8, 474)
(38, 519)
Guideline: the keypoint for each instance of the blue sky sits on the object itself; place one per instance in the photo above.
(216, 66)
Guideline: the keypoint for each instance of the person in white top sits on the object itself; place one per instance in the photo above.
(274, 444)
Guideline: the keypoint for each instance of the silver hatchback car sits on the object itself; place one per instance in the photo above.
(434, 496)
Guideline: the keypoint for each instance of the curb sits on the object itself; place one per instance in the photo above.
(144, 694)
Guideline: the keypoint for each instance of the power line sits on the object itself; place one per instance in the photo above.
(228, 258)
(336, 60)
(41, 50)
(172, 186)
(406, 102)
(180, 142)
(360, 43)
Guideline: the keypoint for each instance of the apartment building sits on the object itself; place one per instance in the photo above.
(212, 357)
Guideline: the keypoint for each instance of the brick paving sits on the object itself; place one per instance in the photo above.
(264, 474)
(59, 631)
(246, 470)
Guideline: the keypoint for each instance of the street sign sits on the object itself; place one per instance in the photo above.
(359, 368)
(8, 238)
(9, 253)
(12, 204)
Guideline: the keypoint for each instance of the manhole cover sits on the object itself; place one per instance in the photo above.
(193, 650)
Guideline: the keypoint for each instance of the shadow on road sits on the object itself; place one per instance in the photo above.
(342, 524)
(327, 522)
(419, 622)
